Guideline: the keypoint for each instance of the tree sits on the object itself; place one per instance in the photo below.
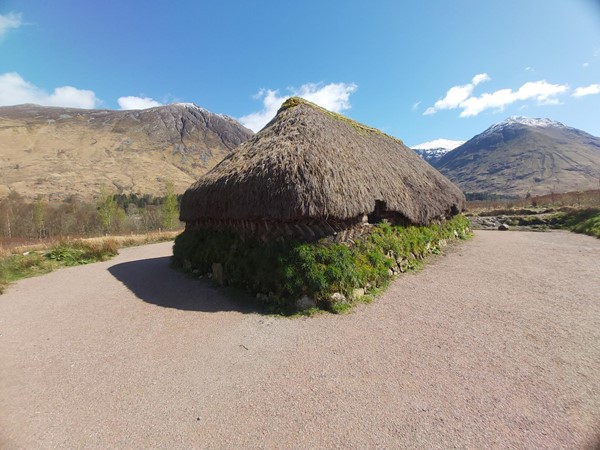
(170, 208)
(39, 217)
(107, 210)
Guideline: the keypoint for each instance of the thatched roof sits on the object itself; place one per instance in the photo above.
(312, 163)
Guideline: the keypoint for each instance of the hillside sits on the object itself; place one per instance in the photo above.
(522, 155)
(58, 152)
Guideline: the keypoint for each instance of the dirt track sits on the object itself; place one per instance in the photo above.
(496, 345)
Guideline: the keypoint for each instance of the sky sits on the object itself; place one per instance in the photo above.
(418, 70)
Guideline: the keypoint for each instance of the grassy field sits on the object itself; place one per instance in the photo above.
(23, 261)
(575, 211)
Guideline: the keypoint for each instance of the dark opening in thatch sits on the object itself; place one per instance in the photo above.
(311, 168)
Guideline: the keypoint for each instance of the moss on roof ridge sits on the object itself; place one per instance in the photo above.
(293, 102)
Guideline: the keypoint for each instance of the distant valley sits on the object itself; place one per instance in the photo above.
(59, 152)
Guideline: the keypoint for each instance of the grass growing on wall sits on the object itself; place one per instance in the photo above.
(283, 272)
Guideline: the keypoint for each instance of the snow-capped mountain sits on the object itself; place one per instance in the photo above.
(523, 155)
(432, 151)
(515, 121)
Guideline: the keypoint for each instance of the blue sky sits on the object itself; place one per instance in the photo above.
(418, 70)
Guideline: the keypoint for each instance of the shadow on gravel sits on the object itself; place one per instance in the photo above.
(154, 281)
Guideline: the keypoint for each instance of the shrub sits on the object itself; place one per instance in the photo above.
(282, 272)
(586, 221)
(83, 252)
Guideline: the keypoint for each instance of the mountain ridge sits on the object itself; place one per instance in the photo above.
(57, 152)
(521, 156)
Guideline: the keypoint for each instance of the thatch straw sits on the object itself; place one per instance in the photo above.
(311, 163)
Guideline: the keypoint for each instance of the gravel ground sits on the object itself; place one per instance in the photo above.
(495, 345)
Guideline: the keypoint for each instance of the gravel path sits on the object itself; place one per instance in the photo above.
(496, 345)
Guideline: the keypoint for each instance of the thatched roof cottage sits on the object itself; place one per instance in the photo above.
(313, 173)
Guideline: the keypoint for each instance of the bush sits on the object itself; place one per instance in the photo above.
(83, 252)
(283, 272)
(33, 263)
(586, 221)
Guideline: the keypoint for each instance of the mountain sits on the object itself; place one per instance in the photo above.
(522, 155)
(58, 152)
(432, 151)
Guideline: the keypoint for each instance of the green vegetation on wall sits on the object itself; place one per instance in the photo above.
(330, 276)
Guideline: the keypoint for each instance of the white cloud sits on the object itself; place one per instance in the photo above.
(271, 103)
(592, 89)
(542, 91)
(334, 97)
(416, 105)
(586, 64)
(14, 90)
(132, 102)
(529, 69)
(8, 21)
(457, 95)
(460, 97)
(480, 78)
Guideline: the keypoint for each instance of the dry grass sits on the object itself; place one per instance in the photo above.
(20, 247)
(310, 164)
(576, 199)
(98, 146)
(28, 260)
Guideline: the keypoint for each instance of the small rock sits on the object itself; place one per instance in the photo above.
(456, 234)
(403, 265)
(305, 302)
(357, 293)
(336, 297)
(503, 227)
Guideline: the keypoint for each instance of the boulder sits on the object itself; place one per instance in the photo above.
(503, 227)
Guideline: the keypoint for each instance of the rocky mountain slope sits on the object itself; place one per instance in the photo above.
(522, 155)
(433, 151)
(58, 152)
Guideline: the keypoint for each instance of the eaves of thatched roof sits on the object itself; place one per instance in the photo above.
(310, 163)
